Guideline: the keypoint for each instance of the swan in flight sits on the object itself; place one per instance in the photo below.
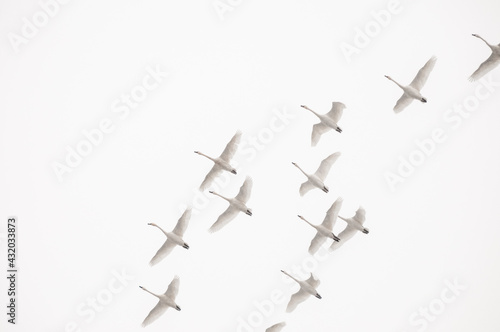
(412, 91)
(327, 121)
(236, 205)
(354, 225)
(221, 163)
(276, 327)
(165, 300)
(488, 64)
(316, 179)
(307, 288)
(324, 230)
(174, 238)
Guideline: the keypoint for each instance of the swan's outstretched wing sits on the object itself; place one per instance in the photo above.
(173, 288)
(228, 215)
(402, 103)
(314, 282)
(245, 190)
(332, 213)
(423, 74)
(336, 112)
(360, 215)
(183, 222)
(318, 130)
(316, 243)
(163, 252)
(231, 147)
(485, 67)
(296, 299)
(276, 327)
(214, 172)
(305, 187)
(324, 167)
(345, 235)
(155, 313)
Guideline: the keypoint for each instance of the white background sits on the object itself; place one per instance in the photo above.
(235, 72)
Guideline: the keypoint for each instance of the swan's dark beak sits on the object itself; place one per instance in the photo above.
(210, 191)
(140, 287)
(318, 296)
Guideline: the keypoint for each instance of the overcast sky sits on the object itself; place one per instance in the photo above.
(202, 70)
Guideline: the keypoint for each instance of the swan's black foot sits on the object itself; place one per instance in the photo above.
(177, 308)
(185, 245)
(423, 100)
(335, 238)
(366, 231)
(339, 129)
(233, 171)
(325, 189)
(249, 212)
(318, 296)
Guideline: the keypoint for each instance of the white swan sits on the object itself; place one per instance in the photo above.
(412, 91)
(276, 327)
(324, 230)
(236, 205)
(165, 300)
(327, 121)
(488, 64)
(307, 288)
(222, 162)
(174, 238)
(354, 225)
(316, 180)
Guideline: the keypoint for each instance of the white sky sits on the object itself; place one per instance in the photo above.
(224, 75)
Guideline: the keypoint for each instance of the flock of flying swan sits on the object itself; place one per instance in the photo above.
(324, 231)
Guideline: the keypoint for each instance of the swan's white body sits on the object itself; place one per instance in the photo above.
(307, 288)
(490, 63)
(324, 230)
(276, 327)
(166, 300)
(173, 238)
(317, 179)
(221, 163)
(327, 122)
(412, 91)
(236, 205)
(354, 225)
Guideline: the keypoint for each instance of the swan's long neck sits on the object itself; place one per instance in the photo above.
(204, 155)
(150, 292)
(161, 229)
(301, 170)
(343, 218)
(484, 40)
(313, 112)
(401, 86)
(289, 275)
(216, 194)
(308, 222)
